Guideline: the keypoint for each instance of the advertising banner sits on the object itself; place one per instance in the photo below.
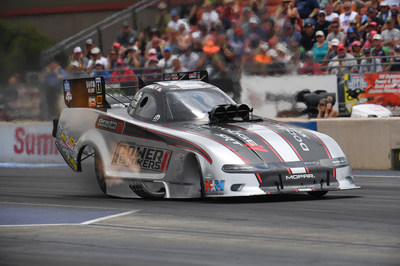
(28, 143)
(377, 88)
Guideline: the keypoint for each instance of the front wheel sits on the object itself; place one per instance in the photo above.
(317, 194)
(99, 169)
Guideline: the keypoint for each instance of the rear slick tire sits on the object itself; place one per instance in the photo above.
(99, 169)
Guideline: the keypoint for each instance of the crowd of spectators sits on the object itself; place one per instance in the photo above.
(228, 36)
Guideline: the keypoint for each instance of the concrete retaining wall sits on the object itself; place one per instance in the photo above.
(366, 142)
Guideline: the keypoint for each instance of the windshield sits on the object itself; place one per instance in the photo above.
(193, 104)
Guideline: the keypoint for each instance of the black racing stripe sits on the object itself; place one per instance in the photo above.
(305, 145)
(140, 132)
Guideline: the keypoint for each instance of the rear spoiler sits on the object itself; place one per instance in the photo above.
(85, 92)
(193, 75)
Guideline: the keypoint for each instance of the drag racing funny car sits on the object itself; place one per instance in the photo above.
(182, 137)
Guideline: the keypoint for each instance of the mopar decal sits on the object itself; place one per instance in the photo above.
(300, 176)
(109, 124)
(131, 155)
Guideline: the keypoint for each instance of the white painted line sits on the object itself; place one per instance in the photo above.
(108, 217)
(59, 205)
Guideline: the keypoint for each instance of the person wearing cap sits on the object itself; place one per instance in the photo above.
(122, 73)
(133, 57)
(89, 45)
(78, 56)
(347, 16)
(96, 55)
(322, 24)
(370, 17)
(343, 63)
(320, 48)
(332, 51)
(352, 35)
(166, 62)
(370, 64)
(394, 65)
(378, 49)
(384, 11)
(308, 36)
(176, 22)
(100, 71)
(303, 9)
(391, 35)
(209, 16)
(127, 35)
(335, 33)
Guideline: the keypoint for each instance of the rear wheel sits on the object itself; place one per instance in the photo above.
(317, 194)
(99, 169)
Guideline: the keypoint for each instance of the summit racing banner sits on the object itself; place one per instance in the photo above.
(377, 88)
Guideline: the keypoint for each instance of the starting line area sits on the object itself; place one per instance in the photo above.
(38, 215)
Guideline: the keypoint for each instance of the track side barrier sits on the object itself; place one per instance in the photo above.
(369, 143)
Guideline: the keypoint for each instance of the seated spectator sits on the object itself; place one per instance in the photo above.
(176, 67)
(347, 16)
(368, 42)
(75, 71)
(79, 57)
(189, 58)
(100, 71)
(395, 60)
(112, 59)
(378, 49)
(370, 64)
(303, 9)
(343, 63)
(151, 71)
(335, 32)
(332, 51)
(96, 55)
(166, 62)
(355, 50)
(352, 35)
(122, 73)
(384, 11)
(176, 22)
(370, 17)
(329, 14)
(391, 35)
(134, 58)
(322, 23)
(325, 109)
(320, 48)
(308, 36)
(310, 67)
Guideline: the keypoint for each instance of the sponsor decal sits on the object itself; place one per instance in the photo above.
(99, 99)
(214, 187)
(156, 118)
(67, 86)
(90, 90)
(248, 142)
(33, 144)
(92, 101)
(132, 155)
(109, 124)
(99, 88)
(298, 135)
(300, 176)
(68, 96)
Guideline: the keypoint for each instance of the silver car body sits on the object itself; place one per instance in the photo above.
(160, 156)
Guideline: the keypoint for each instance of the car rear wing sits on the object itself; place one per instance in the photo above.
(193, 75)
(85, 92)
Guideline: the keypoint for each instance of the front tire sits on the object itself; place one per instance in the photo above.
(99, 169)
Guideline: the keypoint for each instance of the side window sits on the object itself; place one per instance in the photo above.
(146, 107)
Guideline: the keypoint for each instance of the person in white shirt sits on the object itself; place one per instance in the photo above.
(347, 16)
(391, 35)
(176, 22)
(329, 14)
(166, 62)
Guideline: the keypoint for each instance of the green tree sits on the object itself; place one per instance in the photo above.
(20, 48)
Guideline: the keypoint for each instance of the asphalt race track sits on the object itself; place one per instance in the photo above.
(53, 216)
